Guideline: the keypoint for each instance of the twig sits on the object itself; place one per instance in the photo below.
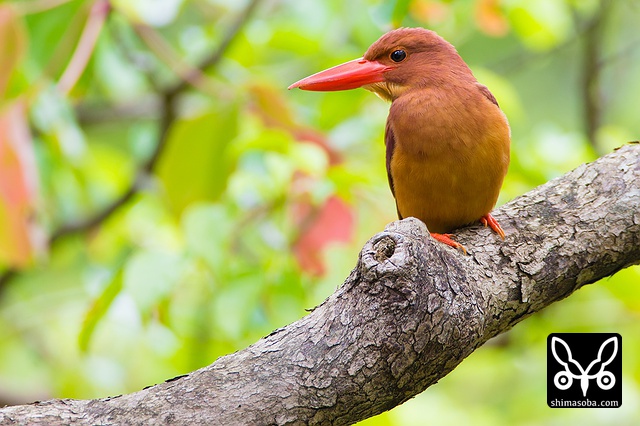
(523, 59)
(37, 6)
(166, 120)
(217, 55)
(86, 44)
(7, 276)
(169, 97)
(193, 76)
(142, 108)
(168, 116)
(592, 70)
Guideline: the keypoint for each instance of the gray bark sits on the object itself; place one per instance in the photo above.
(408, 314)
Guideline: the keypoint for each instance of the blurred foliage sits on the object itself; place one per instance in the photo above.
(164, 200)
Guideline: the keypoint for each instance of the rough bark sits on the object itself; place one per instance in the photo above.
(408, 314)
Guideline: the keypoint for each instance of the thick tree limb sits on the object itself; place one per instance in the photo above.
(408, 314)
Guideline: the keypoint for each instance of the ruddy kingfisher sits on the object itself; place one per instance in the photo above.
(447, 140)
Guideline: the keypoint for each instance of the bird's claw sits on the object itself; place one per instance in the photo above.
(488, 220)
(446, 239)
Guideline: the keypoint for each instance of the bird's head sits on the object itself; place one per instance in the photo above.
(400, 60)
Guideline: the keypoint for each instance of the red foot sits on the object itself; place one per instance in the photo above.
(492, 223)
(446, 239)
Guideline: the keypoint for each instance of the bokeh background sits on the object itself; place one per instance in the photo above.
(164, 200)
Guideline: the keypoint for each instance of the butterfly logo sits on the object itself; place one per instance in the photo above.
(574, 371)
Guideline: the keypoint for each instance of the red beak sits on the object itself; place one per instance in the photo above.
(350, 75)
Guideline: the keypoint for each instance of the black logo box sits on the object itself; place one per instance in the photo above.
(584, 370)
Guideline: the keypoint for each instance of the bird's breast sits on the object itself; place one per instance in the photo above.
(449, 159)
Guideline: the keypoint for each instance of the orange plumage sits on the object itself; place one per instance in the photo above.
(447, 140)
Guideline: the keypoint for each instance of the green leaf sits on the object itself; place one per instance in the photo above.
(13, 44)
(98, 309)
(197, 161)
(542, 24)
(150, 277)
(400, 10)
(203, 234)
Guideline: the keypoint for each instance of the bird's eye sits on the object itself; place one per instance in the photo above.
(398, 55)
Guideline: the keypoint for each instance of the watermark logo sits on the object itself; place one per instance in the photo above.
(584, 370)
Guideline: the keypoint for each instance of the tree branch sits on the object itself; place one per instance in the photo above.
(408, 314)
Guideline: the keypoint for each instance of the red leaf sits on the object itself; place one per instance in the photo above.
(18, 180)
(490, 18)
(332, 223)
(431, 12)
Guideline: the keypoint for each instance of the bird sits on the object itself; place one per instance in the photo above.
(447, 140)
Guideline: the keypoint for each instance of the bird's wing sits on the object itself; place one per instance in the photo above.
(390, 143)
(485, 91)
